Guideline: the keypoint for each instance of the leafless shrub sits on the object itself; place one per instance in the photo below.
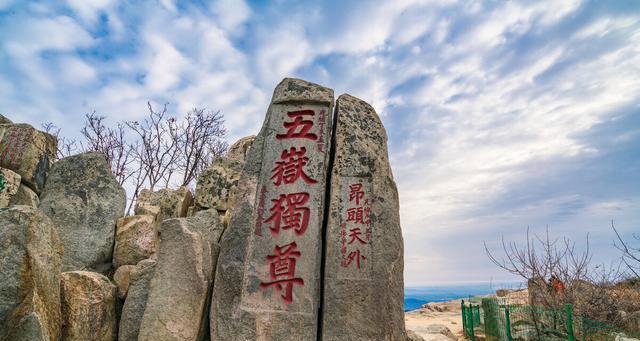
(200, 142)
(156, 152)
(558, 273)
(111, 142)
(159, 150)
(630, 253)
(66, 147)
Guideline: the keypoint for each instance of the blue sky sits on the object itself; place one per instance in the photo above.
(500, 114)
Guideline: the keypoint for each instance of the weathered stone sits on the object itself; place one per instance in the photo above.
(144, 209)
(172, 203)
(216, 182)
(136, 301)
(84, 200)
(5, 120)
(122, 279)
(503, 292)
(239, 150)
(192, 210)
(412, 336)
(28, 152)
(9, 186)
(538, 292)
(363, 279)
(248, 303)
(135, 240)
(178, 299)
(30, 262)
(632, 321)
(440, 329)
(24, 196)
(88, 307)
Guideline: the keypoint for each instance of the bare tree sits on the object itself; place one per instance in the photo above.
(630, 254)
(66, 147)
(200, 142)
(169, 148)
(110, 142)
(158, 153)
(558, 273)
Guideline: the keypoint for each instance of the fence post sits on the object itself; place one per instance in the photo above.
(569, 323)
(473, 331)
(464, 319)
(507, 320)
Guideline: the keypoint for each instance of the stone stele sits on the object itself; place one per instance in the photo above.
(30, 262)
(84, 200)
(363, 283)
(28, 152)
(88, 307)
(268, 275)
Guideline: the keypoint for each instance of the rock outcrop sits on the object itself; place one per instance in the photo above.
(88, 307)
(215, 184)
(9, 186)
(28, 152)
(135, 240)
(363, 278)
(5, 120)
(268, 274)
(25, 196)
(170, 203)
(84, 200)
(240, 150)
(122, 279)
(412, 336)
(136, 302)
(30, 263)
(177, 303)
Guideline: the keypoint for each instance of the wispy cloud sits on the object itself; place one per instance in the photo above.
(500, 114)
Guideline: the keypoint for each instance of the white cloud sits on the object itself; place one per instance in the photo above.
(88, 10)
(60, 33)
(231, 14)
(487, 103)
(165, 64)
(283, 49)
(77, 72)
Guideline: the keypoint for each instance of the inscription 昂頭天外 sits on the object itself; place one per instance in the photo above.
(355, 228)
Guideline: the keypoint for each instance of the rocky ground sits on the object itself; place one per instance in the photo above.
(442, 321)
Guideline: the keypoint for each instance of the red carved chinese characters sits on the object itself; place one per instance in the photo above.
(355, 192)
(355, 255)
(291, 168)
(354, 234)
(282, 269)
(358, 218)
(289, 211)
(299, 127)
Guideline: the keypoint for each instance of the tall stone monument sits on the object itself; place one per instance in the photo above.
(268, 277)
(363, 280)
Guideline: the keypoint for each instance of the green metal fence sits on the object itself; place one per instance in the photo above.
(496, 320)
